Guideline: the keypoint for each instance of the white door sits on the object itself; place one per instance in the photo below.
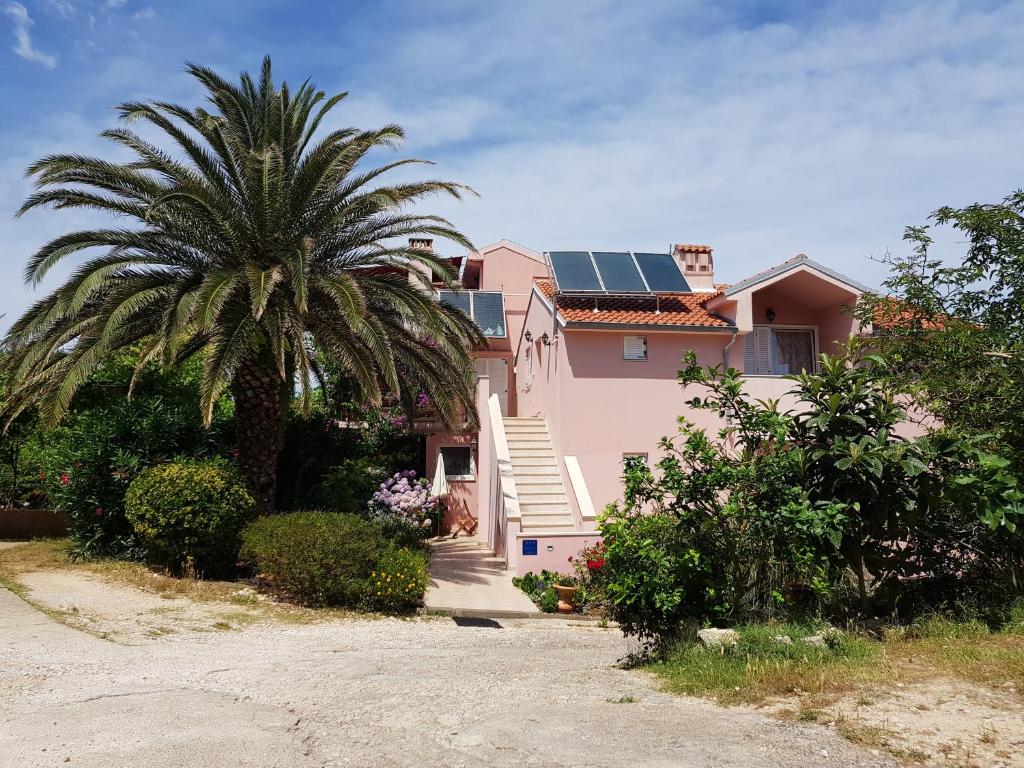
(497, 369)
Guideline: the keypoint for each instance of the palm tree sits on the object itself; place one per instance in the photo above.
(257, 242)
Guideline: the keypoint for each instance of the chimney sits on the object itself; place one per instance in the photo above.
(421, 244)
(697, 265)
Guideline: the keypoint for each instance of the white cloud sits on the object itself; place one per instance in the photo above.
(62, 8)
(602, 124)
(22, 21)
(115, 4)
(146, 13)
(601, 128)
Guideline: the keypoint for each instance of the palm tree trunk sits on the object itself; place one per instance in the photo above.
(259, 421)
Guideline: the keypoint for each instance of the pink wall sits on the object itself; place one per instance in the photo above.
(511, 270)
(599, 406)
(553, 552)
(463, 494)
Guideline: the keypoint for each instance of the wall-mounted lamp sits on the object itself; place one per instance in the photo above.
(545, 339)
(528, 336)
(770, 314)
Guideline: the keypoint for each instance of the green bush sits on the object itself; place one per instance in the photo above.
(86, 464)
(189, 512)
(399, 580)
(331, 559)
(653, 575)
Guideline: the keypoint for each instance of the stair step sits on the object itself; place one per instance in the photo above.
(542, 507)
(527, 439)
(559, 515)
(548, 482)
(530, 453)
(530, 500)
(530, 527)
(524, 420)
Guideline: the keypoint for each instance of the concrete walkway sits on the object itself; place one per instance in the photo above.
(467, 578)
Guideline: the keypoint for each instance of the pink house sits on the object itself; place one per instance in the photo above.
(581, 373)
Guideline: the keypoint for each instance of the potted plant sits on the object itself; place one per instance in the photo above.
(566, 597)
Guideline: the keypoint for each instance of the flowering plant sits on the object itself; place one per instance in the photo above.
(405, 498)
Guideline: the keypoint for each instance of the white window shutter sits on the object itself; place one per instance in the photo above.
(634, 348)
(757, 351)
(497, 369)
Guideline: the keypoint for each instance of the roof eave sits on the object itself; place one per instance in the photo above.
(788, 266)
(602, 326)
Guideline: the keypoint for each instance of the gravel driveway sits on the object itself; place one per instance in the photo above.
(365, 693)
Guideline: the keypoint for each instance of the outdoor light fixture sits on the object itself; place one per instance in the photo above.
(770, 314)
(545, 339)
(528, 336)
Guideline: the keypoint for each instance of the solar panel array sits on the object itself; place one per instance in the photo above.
(617, 272)
(485, 308)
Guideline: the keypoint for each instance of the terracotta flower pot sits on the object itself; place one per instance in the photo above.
(566, 598)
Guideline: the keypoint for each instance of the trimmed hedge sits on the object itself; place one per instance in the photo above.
(332, 559)
(190, 514)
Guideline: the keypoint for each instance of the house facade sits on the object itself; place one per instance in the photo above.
(580, 373)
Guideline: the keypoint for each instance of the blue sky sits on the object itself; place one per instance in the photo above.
(763, 128)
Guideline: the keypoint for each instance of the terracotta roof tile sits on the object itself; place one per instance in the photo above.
(690, 248)
(686, 309)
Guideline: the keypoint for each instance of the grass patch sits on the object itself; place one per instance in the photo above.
(54, 554)
(624, 700)
(759, 668)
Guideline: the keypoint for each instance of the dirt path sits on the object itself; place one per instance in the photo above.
(361, 693)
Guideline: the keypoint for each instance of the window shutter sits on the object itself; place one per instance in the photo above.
(634, 348)
(757, 351)
(497, 369)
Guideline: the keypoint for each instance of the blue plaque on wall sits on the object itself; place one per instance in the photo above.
(529, 546)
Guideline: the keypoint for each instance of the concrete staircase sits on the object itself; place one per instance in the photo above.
(542, 500)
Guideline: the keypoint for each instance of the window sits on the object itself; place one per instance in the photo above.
(778, 351)
(634, 348)
(458, 462)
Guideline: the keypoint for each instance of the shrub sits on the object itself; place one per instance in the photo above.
(329, 559)
(87, 463)
(398, 582)
(404, 499)
(189, 512)
(347, 466)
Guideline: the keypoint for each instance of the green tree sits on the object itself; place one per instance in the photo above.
(953, 333)
(259, 240)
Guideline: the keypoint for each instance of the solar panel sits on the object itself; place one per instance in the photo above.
(618, 272)
(489, 312)
(574, 271)
(662, 272)
(457, 300)
(485, 308)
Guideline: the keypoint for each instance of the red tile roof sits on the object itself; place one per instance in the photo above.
(689, 248)
(671, 309)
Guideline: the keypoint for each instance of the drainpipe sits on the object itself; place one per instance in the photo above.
(725, 351)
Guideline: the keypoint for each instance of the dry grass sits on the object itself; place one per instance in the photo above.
(54, 554)
(759, 669)
(915, 693)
